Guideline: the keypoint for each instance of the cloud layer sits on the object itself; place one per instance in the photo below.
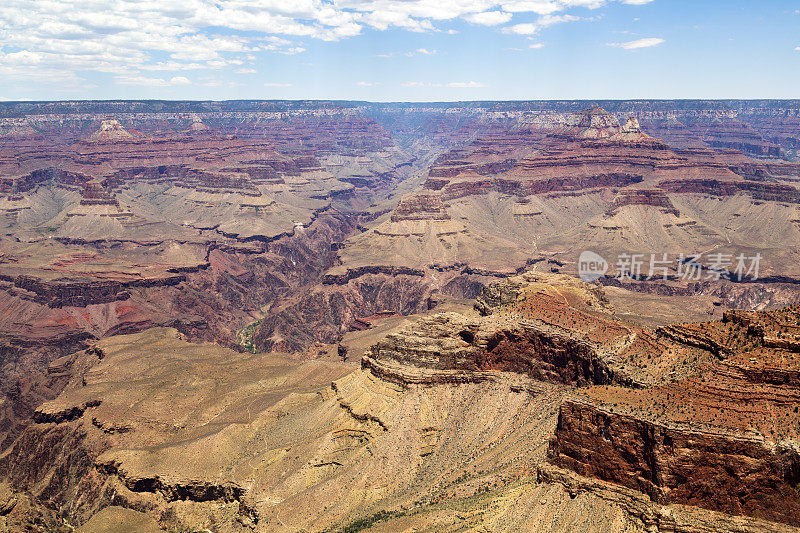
(45, 40)
(638, 43)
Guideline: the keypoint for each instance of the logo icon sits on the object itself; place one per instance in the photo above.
(591, 266)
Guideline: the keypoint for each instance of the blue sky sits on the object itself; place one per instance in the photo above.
(390, 50)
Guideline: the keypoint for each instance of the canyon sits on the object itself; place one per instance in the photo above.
(214, 313)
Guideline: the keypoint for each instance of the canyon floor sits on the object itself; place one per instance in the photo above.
(328, 316)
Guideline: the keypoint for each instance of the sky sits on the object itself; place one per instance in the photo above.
(399, 50)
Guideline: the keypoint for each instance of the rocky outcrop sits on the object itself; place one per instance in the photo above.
(447, 347)
(196, 491)
(420, 207)
(111, 131)
(581, 183)
(696, 337)
(723, 438)
(591, 123)
(63, 415)
(460, 189)
(720, 471)
(406, 376)
(28, 182)
(451, 168)
(354, 273)
(761, 191)
(78, 293)
(449, 342)
(649, 197)
(655, 517)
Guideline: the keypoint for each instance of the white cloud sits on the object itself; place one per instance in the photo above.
(221, 83)
(539, 7)
(151, 82)
(21, 58)
(246, 71)
(528, 28)
(639, 43)
(453, 84)
(418, 51)
(465, 84)
(549, 20)
(46, 39)
(531, 28)
(536, 46)
(636, 2)
(797, 48)
(141, 80)
(274, 84)
(489, 18)
(368, 83)
(173, 66)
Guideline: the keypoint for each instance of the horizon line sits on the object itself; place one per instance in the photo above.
(338, 100)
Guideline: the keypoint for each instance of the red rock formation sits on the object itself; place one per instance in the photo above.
(651, 197)
(63, 293)
(762, 191)
(584, 182)
(547, 345)
(730, 473)
(544, 353)
(720, 439)
(327, 312)
(420, 207)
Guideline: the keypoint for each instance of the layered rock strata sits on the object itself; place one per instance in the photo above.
(722, 439)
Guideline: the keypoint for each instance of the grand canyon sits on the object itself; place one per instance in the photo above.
(348, 316)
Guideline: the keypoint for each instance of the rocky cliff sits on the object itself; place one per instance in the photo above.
(735, 474)
(722, 439)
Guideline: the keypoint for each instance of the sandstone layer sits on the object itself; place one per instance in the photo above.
(347, 232)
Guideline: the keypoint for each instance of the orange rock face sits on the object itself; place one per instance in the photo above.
(720, 471)
(721, 439)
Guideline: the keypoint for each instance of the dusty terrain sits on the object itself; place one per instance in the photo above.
(445, 425)
(214, 313)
